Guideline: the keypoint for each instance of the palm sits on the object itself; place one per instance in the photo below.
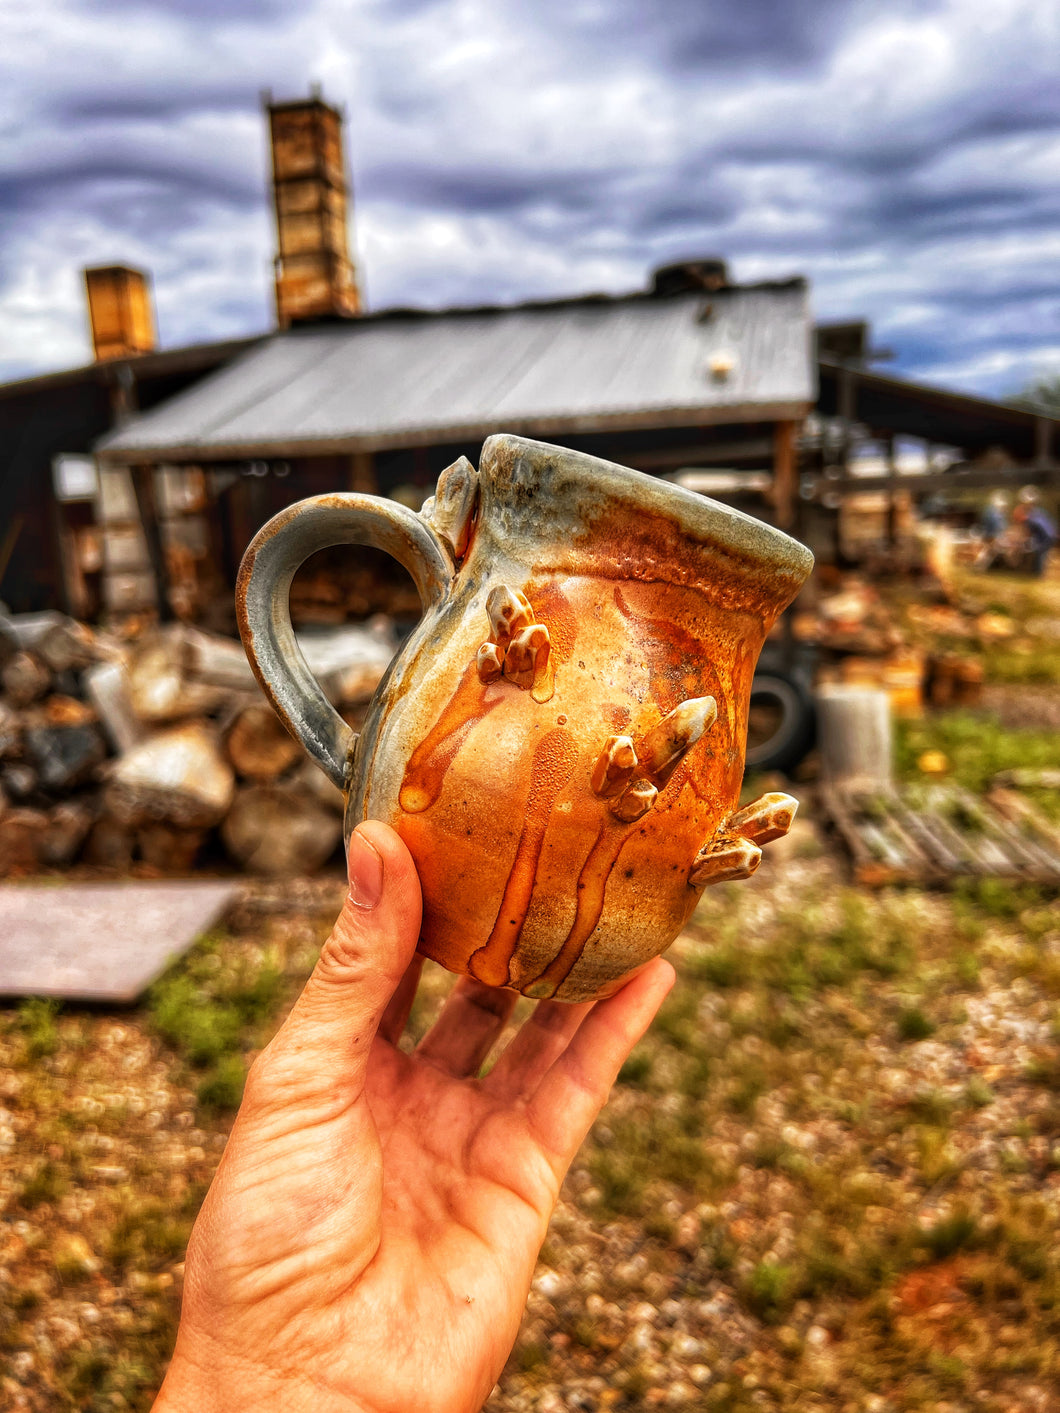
(370, 1236)
(467, 1195)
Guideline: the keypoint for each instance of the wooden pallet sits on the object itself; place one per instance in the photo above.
(935, 833)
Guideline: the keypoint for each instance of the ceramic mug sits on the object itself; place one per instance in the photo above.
(560, 741)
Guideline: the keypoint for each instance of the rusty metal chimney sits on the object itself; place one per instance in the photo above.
(315, 278)
(119, 311)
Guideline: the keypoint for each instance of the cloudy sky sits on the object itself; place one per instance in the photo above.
(904, 154)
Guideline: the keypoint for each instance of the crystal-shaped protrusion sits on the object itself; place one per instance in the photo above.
(489, 661)
(636, 800)
(614, 767)
(765, 819)
(451, 510)
(729, 858)
(527, 657)
(509, 612)
(661, 750)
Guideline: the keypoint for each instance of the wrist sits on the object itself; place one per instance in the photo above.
(214, 1381)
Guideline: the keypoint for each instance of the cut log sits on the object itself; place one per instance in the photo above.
(64, 756)
(21, 832)
(348, 661)
(854, 737)
(10, 731)
(220, 662)
(313, 779)
(280, 830)
(109, 844)
(179, 777)
(19, 780)
(168, 847)
(68, 826)
(259, 746)
(60, 642)
(62, 710)
(107, 685)
(25, 678)
(159, 686)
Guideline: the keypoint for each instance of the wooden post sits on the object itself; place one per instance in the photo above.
(1043, 435)
(784, 474)
(362, 473)
(847, 409)
(142, 478)
(892, 494)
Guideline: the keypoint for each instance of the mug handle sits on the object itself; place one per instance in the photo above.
(263, 606)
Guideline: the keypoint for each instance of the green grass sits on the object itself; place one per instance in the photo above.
(913, 1024)
(210, 1012)
(1037, 664)
(222, 1087)
(975, 744)
(46, 1183)
(37, 1024)
(147, 1231)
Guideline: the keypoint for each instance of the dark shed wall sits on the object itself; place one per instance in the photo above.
(69, 414)
(35, 427)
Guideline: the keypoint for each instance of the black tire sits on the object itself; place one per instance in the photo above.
(782, 723)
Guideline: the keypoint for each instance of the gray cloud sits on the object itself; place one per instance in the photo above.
(902, 154)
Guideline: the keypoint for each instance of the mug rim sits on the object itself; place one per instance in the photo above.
(707, 520)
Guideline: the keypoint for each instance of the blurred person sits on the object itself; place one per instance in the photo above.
(1038, 529)
(368, 1240)
(993, 522)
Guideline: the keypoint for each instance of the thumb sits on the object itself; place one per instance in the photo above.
(322, 1048)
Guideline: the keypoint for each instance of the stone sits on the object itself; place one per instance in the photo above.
(101, 941)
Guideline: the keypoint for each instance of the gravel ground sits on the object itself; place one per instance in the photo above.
(829, 1178)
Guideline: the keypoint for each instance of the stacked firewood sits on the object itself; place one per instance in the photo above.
(155, 752)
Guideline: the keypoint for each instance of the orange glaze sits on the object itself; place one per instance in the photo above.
(552, 608)
(675, 657)
(425, 773)
(592, 884)
(553, 765)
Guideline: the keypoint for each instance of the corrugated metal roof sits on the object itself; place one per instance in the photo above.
(404, 379)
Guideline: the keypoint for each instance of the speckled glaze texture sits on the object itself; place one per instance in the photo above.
(560, 742)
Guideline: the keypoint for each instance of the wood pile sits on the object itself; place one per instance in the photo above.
(860, 639)
(144, 754)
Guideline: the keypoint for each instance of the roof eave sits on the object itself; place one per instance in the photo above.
(457, 432)
(939, 397)
(158, 364)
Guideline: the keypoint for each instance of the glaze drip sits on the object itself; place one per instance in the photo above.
(552, 767)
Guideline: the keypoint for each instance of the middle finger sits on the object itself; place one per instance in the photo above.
(473, 1017)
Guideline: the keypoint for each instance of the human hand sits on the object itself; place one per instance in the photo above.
(370, 1235)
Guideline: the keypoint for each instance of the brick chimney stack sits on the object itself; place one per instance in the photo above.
(315, 278)
(119, 312)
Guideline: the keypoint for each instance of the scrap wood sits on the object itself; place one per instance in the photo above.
(868, 867)
(1028, 779)
(917, 837)
(1018, 808)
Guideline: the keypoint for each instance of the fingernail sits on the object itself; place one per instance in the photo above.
(365, 871)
